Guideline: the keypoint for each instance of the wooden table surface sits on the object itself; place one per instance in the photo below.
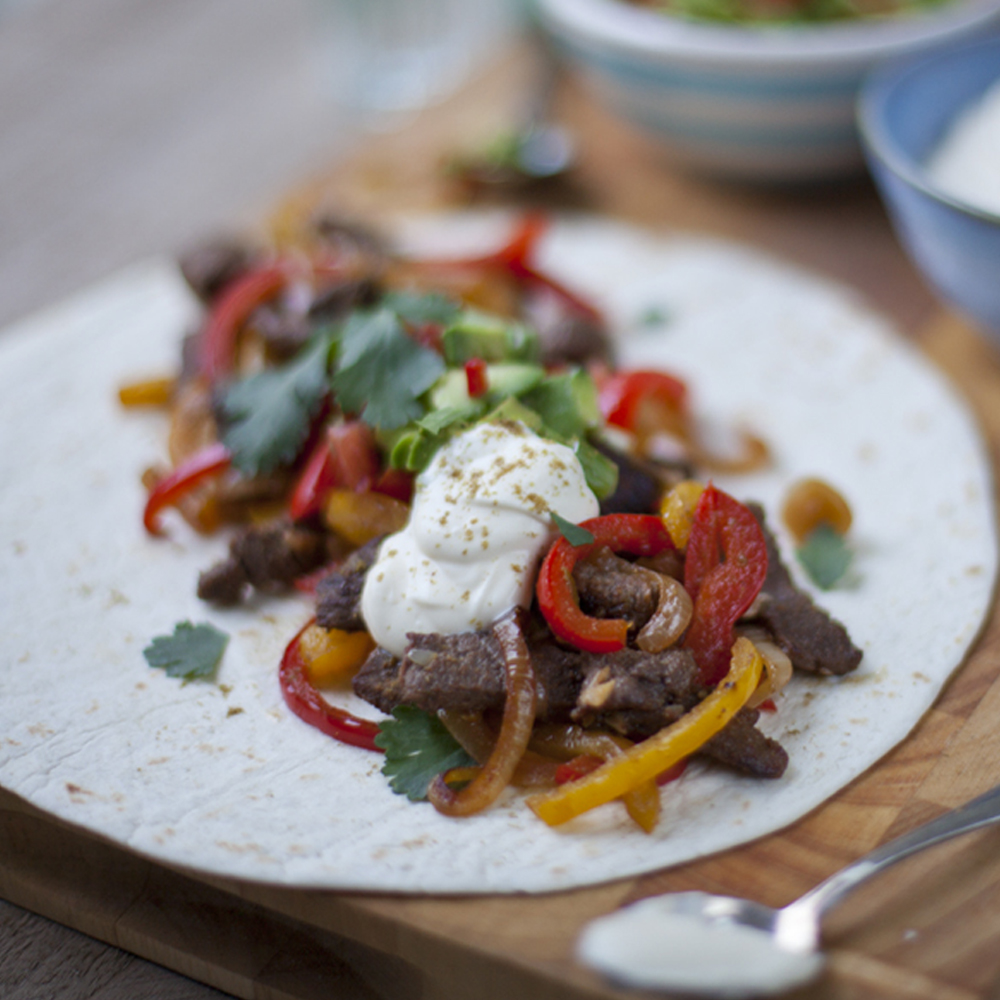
(131, 129)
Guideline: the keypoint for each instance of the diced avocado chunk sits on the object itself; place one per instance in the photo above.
(567, 403)
(507, 379)
(474, 334)
(513, 378)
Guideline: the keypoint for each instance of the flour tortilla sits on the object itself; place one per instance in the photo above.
(223, 779)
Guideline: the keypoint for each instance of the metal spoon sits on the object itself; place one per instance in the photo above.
(536, 150)
(697, 943)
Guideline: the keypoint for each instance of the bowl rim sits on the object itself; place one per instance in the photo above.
(878, 140)
(638, 31)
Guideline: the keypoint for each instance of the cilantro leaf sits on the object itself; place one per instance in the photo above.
(382, 372)
(193, 651)
(600, 471)
(824, 555)
(447, 416)
(653, 316)
(416, 307)
(270, 412)
(573, 533)
(417, 749)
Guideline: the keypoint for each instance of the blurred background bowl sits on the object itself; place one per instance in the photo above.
(761, 103)
(904, 113)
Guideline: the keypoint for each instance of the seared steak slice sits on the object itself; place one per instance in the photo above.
(268, 558)
(464, 673)
(633, 681)
(741, 745)
(338, 594)
(813, 641)
(210, 266)
(379, 681)
(608, 588)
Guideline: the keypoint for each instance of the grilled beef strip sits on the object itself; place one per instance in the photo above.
(743, 747)
(338, 594)
(631, 692)
(267, 558)
(813, 641)
(464, 673)
(608, 589)
(209, 266)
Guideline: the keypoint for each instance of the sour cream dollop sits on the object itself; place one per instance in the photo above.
(480, 521)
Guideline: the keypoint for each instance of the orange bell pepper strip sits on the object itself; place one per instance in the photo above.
(643, 762)
(333, 654)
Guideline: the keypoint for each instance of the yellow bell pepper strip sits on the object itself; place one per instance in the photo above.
(644, 761)
(210, 461)
(677, 509)
(586, 750)
(724, 569)
(634, 534)
(150, 392)
(360, 517)
(332, 654)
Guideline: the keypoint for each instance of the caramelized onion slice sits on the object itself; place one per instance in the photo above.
(755, 455)
(671, 617)
(515, 730)
(477, 739)
(777, 665)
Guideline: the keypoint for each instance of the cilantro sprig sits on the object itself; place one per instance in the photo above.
(825, 555)
(269, 414)
(192, 652)
(381, 371)
(573, 533)
(417, 749)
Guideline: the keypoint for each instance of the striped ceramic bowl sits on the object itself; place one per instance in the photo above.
(769, 104)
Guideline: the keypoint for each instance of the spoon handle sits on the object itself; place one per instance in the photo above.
(975, 814)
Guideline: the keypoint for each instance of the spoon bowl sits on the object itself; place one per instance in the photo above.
(721, 946)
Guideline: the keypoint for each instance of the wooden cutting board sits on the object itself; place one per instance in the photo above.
(928, 929)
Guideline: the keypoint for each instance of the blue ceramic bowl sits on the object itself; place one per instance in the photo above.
(904, 112)
(772, 104)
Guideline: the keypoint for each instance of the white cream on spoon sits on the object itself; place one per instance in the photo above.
(720, 946)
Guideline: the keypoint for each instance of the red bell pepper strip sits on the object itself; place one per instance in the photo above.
(345, 456)
(576, 768)
(622, 395)
(634, 534)
(309, 705)
(724, 568)
(314, 480)
(355, 456)
(515, 257)
(395, 483)
(233, 308)
(210, 461)
(476, 378)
